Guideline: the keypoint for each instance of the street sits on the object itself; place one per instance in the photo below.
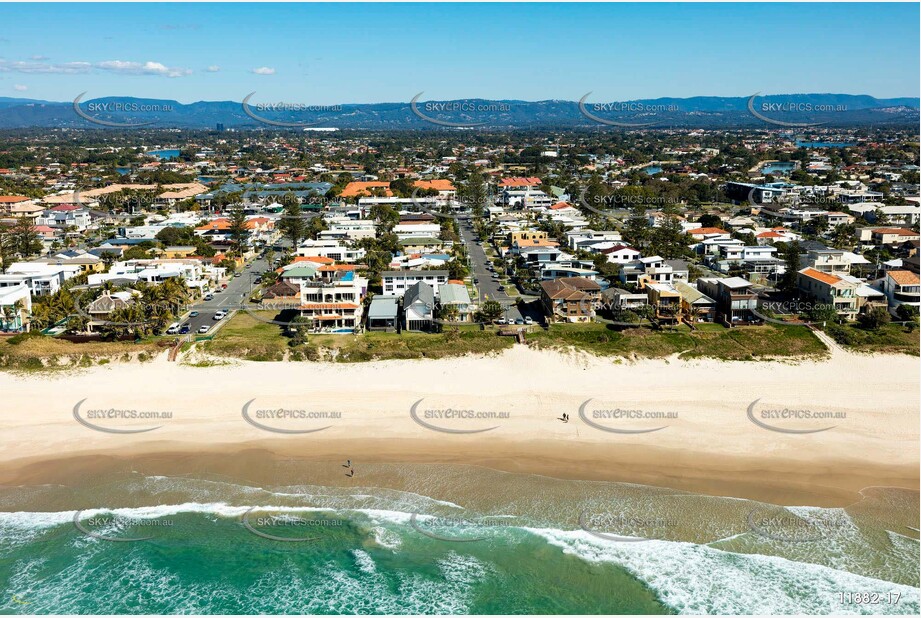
(236, 295)
(487, 287)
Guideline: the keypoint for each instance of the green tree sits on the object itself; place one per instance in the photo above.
(239, 234)
(24, 239)
(874, 319)
(292, 222)
(489, 310)
(790, 253)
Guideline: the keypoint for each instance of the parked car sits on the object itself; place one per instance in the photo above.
(204, 328)
(223, 286)
(193, 314)
(528, 320)
(185, 329)
(173, 330)
(220, 315)
(501, 321)
(238, 275)
(209, 296)
(519, 321)
(475, 280)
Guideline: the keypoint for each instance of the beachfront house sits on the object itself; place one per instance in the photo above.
(695, 305)
(570, 299)
(15, 308)
(456, 297)
(829, 289)
(333, 305)
(419, 307)
(383, 313)
(665, 300)
(735, 300)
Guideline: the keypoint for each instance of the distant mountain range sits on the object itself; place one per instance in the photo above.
(774, 111)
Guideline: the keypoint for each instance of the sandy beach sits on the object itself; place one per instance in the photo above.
(733, 429)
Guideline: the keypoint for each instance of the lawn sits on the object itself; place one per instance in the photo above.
(740, 343)
(248, 337)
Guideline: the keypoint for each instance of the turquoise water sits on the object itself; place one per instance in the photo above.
(652, 169)
(778, 167)
(164, 154)
(194, 545)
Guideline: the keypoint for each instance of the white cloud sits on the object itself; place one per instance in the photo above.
(264, 71)
(67, 68)
(72, 68)
(146, 68)
(20, 87)
(213, 68)
(38, 58)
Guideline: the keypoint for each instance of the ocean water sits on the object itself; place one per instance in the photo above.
(510, 544)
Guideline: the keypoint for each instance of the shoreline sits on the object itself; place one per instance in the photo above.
(710, 446)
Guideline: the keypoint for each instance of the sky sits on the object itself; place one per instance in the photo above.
(328, 54)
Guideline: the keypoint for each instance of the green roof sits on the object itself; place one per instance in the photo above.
(451, 293)
(422, 240)
(299, 271)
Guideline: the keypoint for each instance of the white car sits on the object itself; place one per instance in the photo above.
(220, 315)
(204, 329)
(528, 320)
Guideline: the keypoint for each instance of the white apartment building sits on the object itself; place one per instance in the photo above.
(42, 279)
(331, 249)
(396, 282)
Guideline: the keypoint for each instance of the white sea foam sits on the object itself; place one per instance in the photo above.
(694, 579)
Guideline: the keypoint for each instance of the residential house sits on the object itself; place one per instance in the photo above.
(65, 216)
(419, 307)
(570, 299)
(902, 287)
(653, 269)
(284, 294)
(455, 295)
(695, 305)
(827, 261)
(621, 254)
(100, 309)
(332, 249)
(665, 300)
(829, 289)
(8, 201)
(735, 300)
(383, 313)
(620, 300)
(15, 308)
(334, 305)
(42, 279)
